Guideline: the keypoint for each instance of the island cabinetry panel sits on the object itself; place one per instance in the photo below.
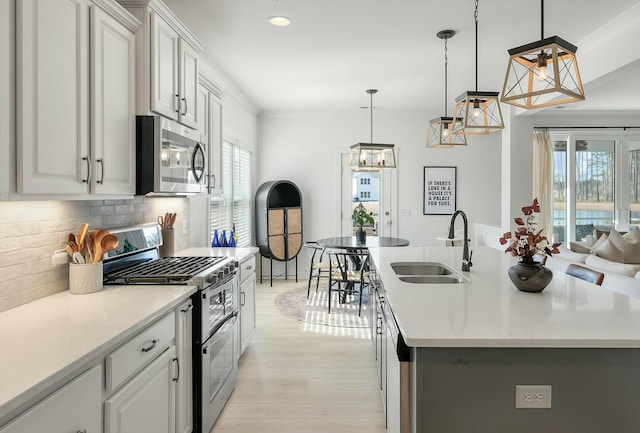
(593, 390)
(76, 407)
(70, 52)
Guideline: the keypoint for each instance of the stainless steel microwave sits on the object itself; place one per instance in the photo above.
(170, 158)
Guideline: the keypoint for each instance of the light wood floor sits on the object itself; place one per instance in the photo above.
(295, 377)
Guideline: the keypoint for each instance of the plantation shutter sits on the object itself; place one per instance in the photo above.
(234, 205)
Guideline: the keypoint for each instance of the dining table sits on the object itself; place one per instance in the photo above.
(350, 242)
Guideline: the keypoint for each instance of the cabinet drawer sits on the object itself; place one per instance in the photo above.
(247, 268)
(138, 351)
(77, 406)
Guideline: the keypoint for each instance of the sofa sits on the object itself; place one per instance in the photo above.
(616, 254)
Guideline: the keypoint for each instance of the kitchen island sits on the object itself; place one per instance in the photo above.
(472, 343)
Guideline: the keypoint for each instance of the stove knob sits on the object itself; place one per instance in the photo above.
(212, 277)
(221, 274)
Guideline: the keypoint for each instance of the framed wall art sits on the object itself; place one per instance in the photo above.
(439, 190)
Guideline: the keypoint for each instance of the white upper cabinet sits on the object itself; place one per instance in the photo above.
(174, 74)
(165, 92)
(7, 94)
(52, 134)
(65, 143)
(188, 84)
(202, 111)
(215, 145)
(167, 63)
(113, 105)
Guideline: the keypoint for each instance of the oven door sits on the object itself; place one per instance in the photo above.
(219, 372)
(218, 303)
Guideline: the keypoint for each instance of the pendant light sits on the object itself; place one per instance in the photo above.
(542, 73)
(372, 156)
(477, 112)
(441, 134)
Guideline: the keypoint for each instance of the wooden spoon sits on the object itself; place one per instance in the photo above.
(109, 242)
(69, 249)
(97, 245)
(82, 233)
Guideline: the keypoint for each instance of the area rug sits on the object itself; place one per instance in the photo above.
(295, 305)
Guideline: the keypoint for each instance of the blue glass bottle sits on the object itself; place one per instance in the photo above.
(232, 240)
(223, 238)
(215, 242)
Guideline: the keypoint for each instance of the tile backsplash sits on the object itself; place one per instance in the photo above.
(31, 231)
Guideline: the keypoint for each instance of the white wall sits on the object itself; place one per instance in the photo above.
(304, 148)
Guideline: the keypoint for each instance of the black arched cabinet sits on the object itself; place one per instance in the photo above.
(278, 208)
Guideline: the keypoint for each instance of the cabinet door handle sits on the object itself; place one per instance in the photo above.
(82, 431)
(148, 348)
(177, 361)
(88, 159)
(186, 107)
(184, 310)
(242, 299)
(249, 267)
(101, 161)
(214, 180)
(179, 104)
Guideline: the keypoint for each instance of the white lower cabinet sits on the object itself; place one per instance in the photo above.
(76, 407)
(146, 404)
(184, 391)
(247, 302)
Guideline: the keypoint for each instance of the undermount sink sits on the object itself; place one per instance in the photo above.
(433, 279)
(427, 273)
(420, 268)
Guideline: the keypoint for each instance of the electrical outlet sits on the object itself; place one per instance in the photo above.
(533, 396)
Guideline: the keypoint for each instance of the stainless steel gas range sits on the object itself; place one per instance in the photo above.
(215, 318)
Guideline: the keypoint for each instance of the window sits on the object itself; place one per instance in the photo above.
(596, 183)
(234, 206)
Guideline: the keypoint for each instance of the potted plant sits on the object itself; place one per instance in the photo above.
(529, 275)
(360, 217)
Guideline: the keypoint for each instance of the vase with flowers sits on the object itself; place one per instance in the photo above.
(360, 217)
(526, 242)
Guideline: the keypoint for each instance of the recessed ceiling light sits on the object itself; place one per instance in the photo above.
(280, 21)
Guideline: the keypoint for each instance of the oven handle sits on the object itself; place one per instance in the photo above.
(220, 333)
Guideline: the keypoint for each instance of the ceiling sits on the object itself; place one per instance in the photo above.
(336, 49)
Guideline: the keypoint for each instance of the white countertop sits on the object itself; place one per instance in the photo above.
(489, 311)
(240, 253)
(45, 340)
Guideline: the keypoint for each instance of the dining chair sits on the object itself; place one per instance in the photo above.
(317, 269)
(587, 274)
(348, 274)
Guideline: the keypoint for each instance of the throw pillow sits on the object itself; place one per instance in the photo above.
(629, 244)
(589, 240)
(580, 247)
(599, 242)
(608, 250)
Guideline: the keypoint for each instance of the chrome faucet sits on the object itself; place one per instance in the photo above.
(466, 257)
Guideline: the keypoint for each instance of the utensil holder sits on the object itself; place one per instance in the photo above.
(85, 278)
(167, 247)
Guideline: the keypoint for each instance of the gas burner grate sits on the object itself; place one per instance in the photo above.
(166, 270)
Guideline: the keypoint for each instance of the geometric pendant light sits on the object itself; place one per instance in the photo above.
(441, 133)
(477, 112)
(542, 73)
(371, 156)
